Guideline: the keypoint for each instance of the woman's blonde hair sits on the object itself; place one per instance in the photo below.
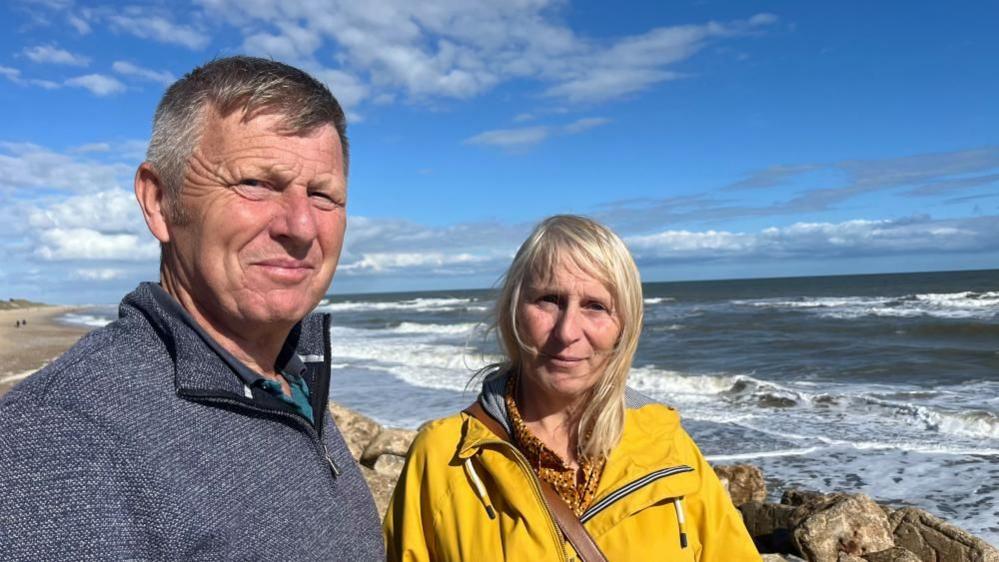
(597, 251)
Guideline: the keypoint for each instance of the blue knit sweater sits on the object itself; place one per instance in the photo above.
(139, 443)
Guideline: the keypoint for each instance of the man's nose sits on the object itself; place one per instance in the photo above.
(296, 220)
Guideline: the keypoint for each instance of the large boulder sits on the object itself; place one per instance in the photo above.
(770, 526)
(390, 441)
(357, 430)
(894, 554)
(743, 482)
(389, 465)
(851, 524)
(381, 486)
(934, 540)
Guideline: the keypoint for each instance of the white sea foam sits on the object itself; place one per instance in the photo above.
(965, 304)
(459, 329)
(762, 455)
(420, 304)
(658, 300)
(409, 356)
(95, 321)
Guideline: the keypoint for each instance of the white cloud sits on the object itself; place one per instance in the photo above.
(59, 244)
(823, 240)
(98, 274)
(435, 261)
(462, 49)
(14, 75)
(112, 211)
(129, 69)
(348, 89)
(9, 73)
(523, 137)
(98, 84)
(511, 138)
(80, 24)
(54, 55)
(91, 147)
(158, 28)
(26, 166)
(585, 124)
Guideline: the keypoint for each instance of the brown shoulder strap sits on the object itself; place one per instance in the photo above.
(570, 525)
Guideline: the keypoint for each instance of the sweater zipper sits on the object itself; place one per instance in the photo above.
(317, 442)
(631, 487)
(536, 486)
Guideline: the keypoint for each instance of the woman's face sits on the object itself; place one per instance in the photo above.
(571, 323)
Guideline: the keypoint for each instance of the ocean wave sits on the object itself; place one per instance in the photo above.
(761, 454)
(92, 320)
(420, 304)
(658, 300)
(458, 329)
(964, 304)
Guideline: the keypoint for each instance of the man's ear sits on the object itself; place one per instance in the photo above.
(149, 191)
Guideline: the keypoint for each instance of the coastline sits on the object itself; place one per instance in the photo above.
(26, 349)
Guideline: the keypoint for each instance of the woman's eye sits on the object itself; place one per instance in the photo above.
(549, 299)
(597, 306)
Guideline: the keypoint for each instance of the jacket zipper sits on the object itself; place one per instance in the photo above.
(536, 486)
(631, 487)
(314, 436)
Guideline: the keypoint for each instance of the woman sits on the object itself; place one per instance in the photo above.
(556, 433)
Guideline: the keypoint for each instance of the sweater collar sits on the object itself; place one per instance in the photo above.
(202, 364)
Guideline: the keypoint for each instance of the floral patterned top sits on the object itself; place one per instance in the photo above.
(576, 488)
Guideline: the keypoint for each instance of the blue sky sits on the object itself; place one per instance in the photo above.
(720, 139)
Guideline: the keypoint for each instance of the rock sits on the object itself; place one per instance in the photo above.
(894, 554)
(933, 539)
(770, 526)
(743, 482)
(798, 498)
(773, 558)
(844, 557)
(357, 430)
(389, 441)
(381, 486)
(850, 524)
(389, 465)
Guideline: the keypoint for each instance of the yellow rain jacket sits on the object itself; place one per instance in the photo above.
(464, 494)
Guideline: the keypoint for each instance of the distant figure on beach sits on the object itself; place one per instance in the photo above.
(196, 426)
(17, 323)
(557, 455)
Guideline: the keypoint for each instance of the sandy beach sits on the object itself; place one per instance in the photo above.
(28, 348)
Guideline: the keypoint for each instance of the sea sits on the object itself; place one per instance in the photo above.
(882, 384)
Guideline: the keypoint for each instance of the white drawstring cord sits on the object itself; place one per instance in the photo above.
(479, 487)
(681, 521)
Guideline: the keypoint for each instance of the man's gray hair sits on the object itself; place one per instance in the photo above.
(254, 85)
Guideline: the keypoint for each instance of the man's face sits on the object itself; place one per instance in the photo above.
(263, 223)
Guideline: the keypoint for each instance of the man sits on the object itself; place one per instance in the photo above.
(195, 426)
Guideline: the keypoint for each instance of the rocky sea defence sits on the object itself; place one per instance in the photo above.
(803, 525)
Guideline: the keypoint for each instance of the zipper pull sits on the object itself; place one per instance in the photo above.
(329, 460)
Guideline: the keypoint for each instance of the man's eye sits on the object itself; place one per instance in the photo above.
(324, 201)
(252, 188)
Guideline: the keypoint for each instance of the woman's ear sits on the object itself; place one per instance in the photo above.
(149, 191)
